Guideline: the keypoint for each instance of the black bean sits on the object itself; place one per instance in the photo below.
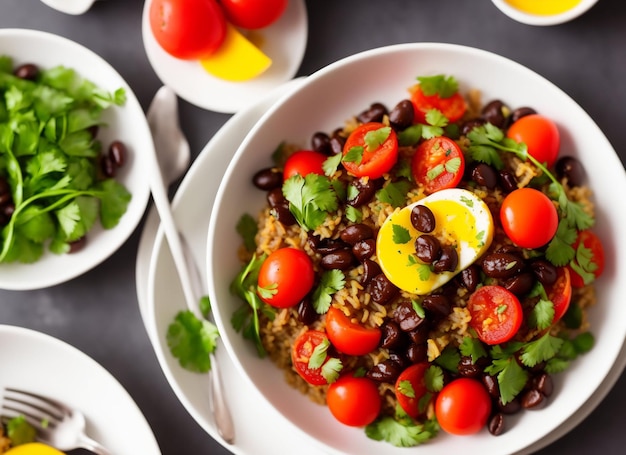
(340, 260)
(507, 179)
(545, 271)
(77, 245)
(436, 306)
(520, 284)
(427, 248)
(512, 407)
(326, 245)
(306, 313)
(401, 116)
(496, 424)
(420, 334)
(107, 166)
(470, 277)
(381, 289)
(391, 335)
(355, 233)
(27, 71)
(5, 198)
(365, 191)
(374, 113)
(336, 144)
(5, 188)
(370, 270)
(405, 316)
(93, 130)
(521, 112)
(422, 218)
(417, 353)
(468, 368)
(491, 384)
(485, 175)
(531, 399)
(502, 265)
(280, 207)
(364, 249)
(386, 371)
(570, 168)
(543, 383)
(268, 179)
(118, 153)
(399, 358)
(320, 142)
(8, 209)
(448, 260)
(495, 112)
(469, 125)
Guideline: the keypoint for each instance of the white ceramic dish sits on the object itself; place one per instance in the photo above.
(352, 85)
(284, 42)
(74, 7)
(42, 364)
(544, 19)
(126, 123)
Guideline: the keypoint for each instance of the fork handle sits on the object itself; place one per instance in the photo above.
(87, 443)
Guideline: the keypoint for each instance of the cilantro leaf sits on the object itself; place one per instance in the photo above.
(472, 347)
(191, 340)
(375, 138)
(310, 198)
(331, 281)
(331, 369)
(20, 431)
(541, 315)
(440, 84)
(449, 359)
(400, 235)
(433, 378)
(401, 434)
(247, 229)
(394, 193)
(560, 250)
(540, 350)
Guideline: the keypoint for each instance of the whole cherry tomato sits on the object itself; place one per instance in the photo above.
(463, 406)
(354, 401)
(253, 14)
(541, 136)
(349, 337)
(285, 277)
(438, 163)
(410, 388)
(529, 218)
(496, 314)
(453, 107)
(304, 162)
(591, 264)
(301, 353)
(188, 29)
(371, 150)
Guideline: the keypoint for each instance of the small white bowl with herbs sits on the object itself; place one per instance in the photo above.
(71, 136)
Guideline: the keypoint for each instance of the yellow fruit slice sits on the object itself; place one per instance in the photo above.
(33, 448)
(237, 59)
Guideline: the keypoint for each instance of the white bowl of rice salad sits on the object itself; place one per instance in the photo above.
(429, 239)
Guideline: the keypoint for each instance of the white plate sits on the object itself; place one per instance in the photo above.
(126, 123)
(42, 364)
(352, 86)
(284, 42)
(74, 7)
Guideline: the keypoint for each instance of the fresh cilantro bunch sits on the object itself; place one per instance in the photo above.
(49, 158)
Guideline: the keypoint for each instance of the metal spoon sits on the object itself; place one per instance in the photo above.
(170, 160)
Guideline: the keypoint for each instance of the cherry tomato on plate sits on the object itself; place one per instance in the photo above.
(541, 136)
(188, 29)
(354, 401)
(253, 14)
(349, 337)
(529, 217)
(410, 388)
(453, 107)
(301, 353)
(438, 164)
(463, 406)
(560, 293)
(371, 150)
(592, 262)
(496, 314)
(304, 162)
(285, 277)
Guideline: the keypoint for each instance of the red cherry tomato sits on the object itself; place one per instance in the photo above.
(541, 136)
(438, 163)
(593, 244)
(410, 388)
(379, 150)
(354, 401)
(529, 217)
(496, 314)
(253, 14)
(285, 277)
(463, 406)
(560, 293)
(188, 29)
(304, 162)
(301, 353)
(349, 337)
(453, 107)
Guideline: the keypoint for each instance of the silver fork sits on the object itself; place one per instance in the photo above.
(57, 424)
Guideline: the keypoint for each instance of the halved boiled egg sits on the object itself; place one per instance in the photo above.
(33, 448)
(462, 220)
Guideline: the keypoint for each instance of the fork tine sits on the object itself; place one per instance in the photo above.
(35, 405)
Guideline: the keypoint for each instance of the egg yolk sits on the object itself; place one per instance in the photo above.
(462, 220)
(543, 7)
(33, 448)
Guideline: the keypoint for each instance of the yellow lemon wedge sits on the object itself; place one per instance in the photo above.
(33, 448)
(237, 59)
(543, 7)
(462, 220)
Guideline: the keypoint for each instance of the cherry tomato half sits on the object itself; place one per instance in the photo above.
(301, 353)
(253, 14)
(496, 314)
(438, 163)
(463, 406)
(593, 244)
(560, 293)
(354, 401)
(529, 217)
(188, 29)
(304, 162)
(349, 337)
(541, 136)
(410, 388)
(285, 277)
(453, 107)
(379, 146)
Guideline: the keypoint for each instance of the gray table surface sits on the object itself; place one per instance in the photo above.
(98, 312)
